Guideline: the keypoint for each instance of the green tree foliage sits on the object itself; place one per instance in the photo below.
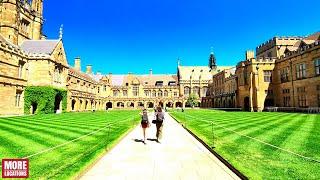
(44, 97)
(193, 100)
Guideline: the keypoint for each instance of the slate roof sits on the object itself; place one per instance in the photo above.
(147, 80)
(196, 71)
(39, 46)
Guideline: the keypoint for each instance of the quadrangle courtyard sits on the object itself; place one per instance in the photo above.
(265, 145)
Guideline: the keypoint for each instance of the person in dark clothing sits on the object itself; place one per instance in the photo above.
(159, 123)
(144, 123)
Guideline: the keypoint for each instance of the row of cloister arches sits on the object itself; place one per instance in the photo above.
(82, 104)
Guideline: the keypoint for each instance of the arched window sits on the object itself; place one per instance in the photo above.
(204, 91)
(186, 91)
(154, 93)
(165, 93)
(160, 93)
(196, 90)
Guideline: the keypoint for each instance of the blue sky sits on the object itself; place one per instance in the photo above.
(135, 35)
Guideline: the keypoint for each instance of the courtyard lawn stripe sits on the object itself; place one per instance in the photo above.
(65, 143)
(47, 137)
(121, 122)
(244, 154)
(313, 147)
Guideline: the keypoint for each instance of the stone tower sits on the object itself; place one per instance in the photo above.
(212, 61)
(21, 20)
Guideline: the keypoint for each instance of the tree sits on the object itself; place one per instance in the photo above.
(193, 100)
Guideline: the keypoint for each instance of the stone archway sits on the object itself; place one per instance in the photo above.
(58, 103)
(169, 104)
(33, 108)
(86, 105)
(120, 105)
(150, 105)
(140, 104)
(80, 105)
(109, 105)
(246, 104)
(179, 104)
(160, 104)
(73, 104)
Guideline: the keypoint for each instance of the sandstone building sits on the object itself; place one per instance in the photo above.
(35, 76)
(284, 75)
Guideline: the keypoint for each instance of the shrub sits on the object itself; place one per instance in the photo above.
(193, 100)
(44, 97)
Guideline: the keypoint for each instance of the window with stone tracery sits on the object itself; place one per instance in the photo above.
(57, 75)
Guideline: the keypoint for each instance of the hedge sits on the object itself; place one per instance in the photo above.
(44, 97)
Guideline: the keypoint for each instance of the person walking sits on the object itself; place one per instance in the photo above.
(159, 123)
(144, 123)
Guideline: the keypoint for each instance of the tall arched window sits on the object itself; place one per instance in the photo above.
(186, 91)
(154, 93)
(196, 90)
(204, 91)
(160, 93)
(165, 93)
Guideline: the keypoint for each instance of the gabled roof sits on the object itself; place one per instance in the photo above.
(39, 46)
(315, 36)
(196, 71)
(146, 79)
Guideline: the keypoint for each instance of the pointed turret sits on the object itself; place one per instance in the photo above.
(37, 6)
(212, 61)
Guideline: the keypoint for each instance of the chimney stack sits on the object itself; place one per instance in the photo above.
(77, 63)
(89, 69)
(249, 55)
(150, 72)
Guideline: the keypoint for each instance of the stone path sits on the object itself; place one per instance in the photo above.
(178, 156)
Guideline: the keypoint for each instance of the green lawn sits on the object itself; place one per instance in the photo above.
(298, 133)
(24, 136)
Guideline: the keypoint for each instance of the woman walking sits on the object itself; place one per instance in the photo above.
(159, 123)
(144, 123)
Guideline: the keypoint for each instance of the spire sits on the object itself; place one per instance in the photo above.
(178, 61)
(211, 50)
(212, 60)
(61, 32)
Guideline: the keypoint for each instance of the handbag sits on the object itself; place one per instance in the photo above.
(154, 121)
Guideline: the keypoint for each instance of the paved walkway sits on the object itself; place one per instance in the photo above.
(178, 156)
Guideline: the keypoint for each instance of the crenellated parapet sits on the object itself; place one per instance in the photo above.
(277, 41)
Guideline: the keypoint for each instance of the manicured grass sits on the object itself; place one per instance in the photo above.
(24, 136)
(298, 133)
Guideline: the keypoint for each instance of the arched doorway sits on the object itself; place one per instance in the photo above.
(120, 104)
(268, 103)
(86, 105)
(161, 104)
(33, 108)
(58, 103)
(150, 105)
(109, 105)
(140, 104)
(246, 103)
(131, 105)
(80, 105)
(169, 104)
(73, 104)
(179, 104)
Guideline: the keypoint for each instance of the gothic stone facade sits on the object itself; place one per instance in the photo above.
(285, 73)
